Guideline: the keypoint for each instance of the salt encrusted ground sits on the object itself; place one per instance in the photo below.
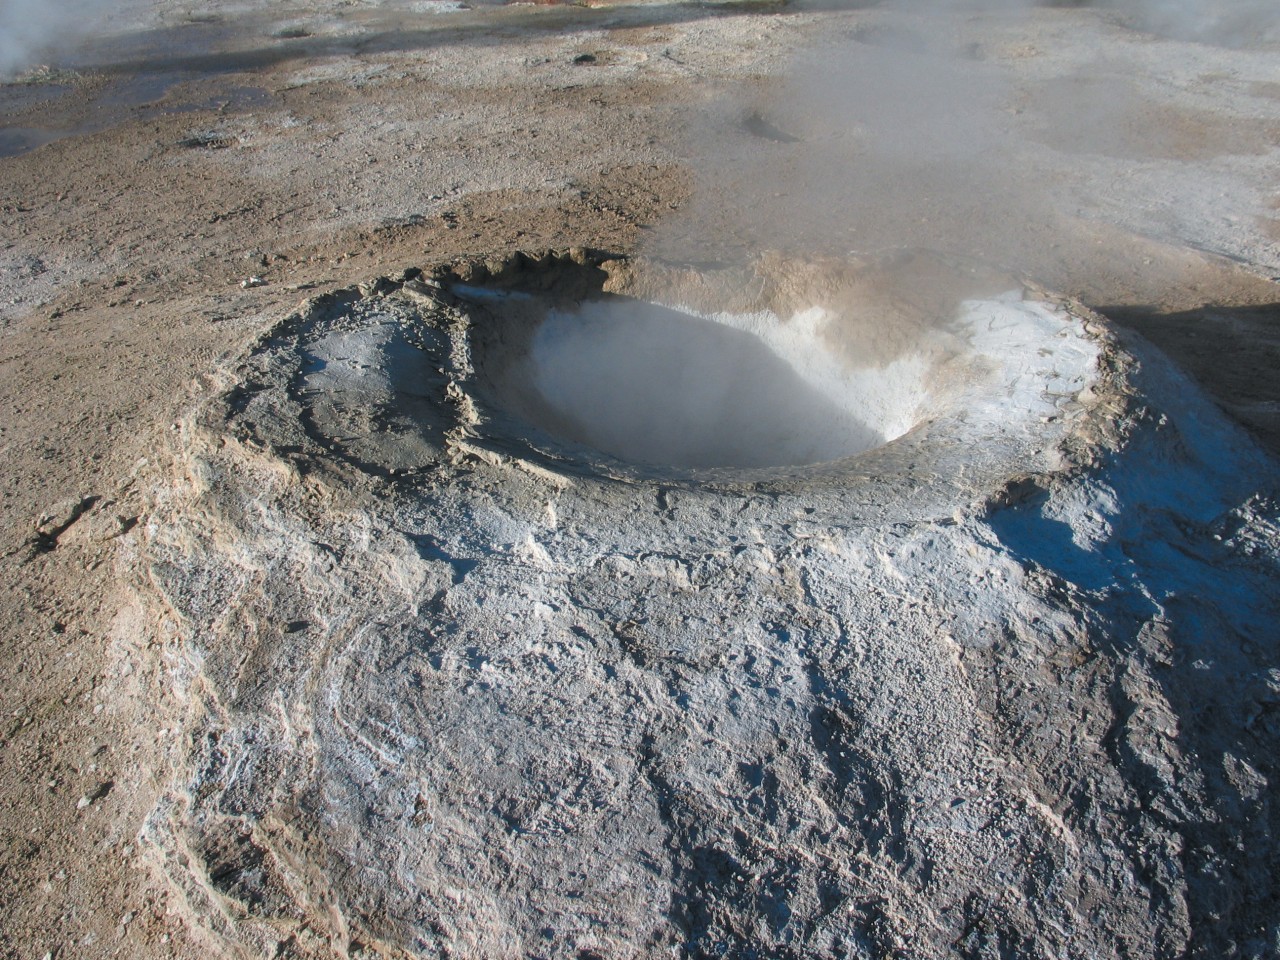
(263, 699)
(450, 684)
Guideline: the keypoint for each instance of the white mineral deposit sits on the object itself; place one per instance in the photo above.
(640, 480)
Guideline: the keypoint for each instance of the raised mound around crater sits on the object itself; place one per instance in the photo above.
(563, 606)
(783, 373)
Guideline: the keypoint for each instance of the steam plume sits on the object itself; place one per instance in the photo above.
(905, 132)
(32, 29)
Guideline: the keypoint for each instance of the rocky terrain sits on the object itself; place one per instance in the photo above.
(336, 627)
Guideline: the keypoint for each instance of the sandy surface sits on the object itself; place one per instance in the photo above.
(199, 173)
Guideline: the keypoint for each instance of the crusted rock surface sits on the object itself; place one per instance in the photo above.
(449, 689)
(1073, 620)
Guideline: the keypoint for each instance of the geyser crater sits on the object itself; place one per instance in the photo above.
(427, 636)
(678, 374)
(654, 385)
(901, 376)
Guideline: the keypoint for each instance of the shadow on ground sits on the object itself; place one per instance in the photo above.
(1232, 352)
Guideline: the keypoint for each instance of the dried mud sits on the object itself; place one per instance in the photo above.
(268, 700)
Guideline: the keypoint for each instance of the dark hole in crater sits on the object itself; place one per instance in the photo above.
(654, 385)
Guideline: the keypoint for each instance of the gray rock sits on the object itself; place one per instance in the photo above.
(968, 692)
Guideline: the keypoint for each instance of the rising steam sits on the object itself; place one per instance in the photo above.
(31, 30)
(909, 129)
(1229, 22)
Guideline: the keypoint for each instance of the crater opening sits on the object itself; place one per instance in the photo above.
(660, 386)
(904, 369)
(784, 364)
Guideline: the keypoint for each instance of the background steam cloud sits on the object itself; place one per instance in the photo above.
(1216, 21)
(32, 29)
(1212, 21)
(909, 130)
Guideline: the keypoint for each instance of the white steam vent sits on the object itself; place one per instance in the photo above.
(669, 387)
(659, 386)
(906, 369)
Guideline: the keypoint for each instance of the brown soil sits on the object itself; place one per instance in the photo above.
(147, 233)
